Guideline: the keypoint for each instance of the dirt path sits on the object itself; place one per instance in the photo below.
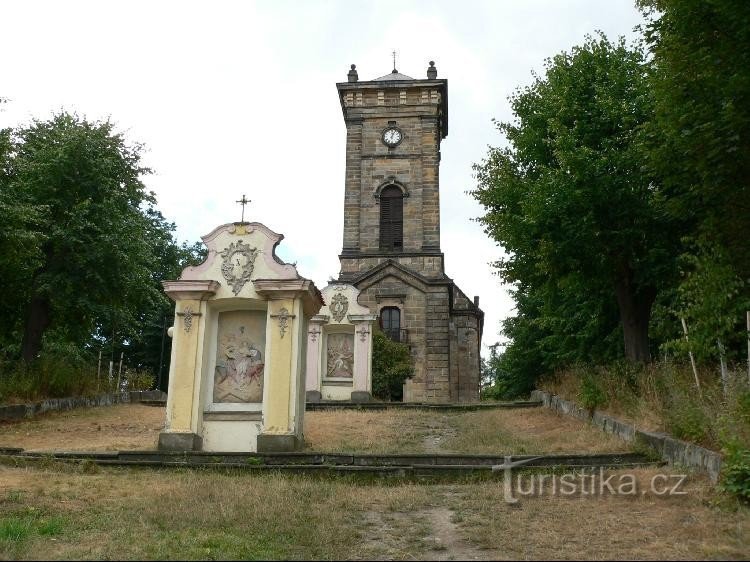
(446, 541)
(439, 430)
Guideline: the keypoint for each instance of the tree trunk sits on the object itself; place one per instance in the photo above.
(635, 313)
(37, 321)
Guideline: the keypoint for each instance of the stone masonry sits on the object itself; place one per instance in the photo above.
(443, 326)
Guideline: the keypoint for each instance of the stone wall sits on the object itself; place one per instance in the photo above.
(21, 411)
(443, 334)
(413, 165)
(466, 324)
(674, 451)
(430, 266)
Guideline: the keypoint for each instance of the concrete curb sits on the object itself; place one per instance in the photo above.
(447, 407)
(24, 411)
(674, 451)
(423, 465)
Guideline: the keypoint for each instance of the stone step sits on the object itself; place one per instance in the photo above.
(342, 405)
(323, 463)
(345, 405)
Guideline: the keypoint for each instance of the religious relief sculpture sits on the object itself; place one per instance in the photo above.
(239, 357)
(339, 306)
(237, 265)
(239, 377)
(340, 355)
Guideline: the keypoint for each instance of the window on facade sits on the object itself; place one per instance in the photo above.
(390, 322)
(391, 219)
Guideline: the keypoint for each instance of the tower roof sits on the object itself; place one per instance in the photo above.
(393, 75)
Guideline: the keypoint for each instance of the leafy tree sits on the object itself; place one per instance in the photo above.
(391, 366)
(583, 223)
(94, 227)
(698, 142)
(20, 237)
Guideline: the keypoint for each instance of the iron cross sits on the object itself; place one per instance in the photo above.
(244, 201)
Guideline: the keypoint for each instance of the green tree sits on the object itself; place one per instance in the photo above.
(583, 223)
(699, 145)
(391, 366)
(20, 236)
(95, 257)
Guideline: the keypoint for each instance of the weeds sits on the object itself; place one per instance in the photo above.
(664, 397)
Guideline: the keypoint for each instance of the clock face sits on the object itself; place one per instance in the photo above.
(392, 136)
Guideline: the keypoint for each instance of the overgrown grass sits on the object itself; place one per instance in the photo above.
(47, 378)
(59, 377)
(62, 513)
(496, 432)
(665, 397)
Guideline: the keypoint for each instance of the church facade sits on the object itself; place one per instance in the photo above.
(391, 245)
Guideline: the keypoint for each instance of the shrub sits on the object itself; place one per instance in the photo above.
(47, 377)
(736, 474)
(590, 393)
(138, 380)
(391, 366)
(685, 419)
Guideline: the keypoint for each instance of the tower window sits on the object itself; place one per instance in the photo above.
(390, 322)
(391, 219)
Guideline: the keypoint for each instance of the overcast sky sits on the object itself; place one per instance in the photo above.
(240, 97)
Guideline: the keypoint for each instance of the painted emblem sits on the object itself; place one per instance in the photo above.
(339, 306)
(237, 267)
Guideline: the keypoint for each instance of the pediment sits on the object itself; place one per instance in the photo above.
(239, 253)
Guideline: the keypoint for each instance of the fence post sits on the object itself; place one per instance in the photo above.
(692, 360)
(119, 371)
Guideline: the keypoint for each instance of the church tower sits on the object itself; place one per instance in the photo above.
(391, 248)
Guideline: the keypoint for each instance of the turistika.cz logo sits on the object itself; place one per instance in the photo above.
(584, 482)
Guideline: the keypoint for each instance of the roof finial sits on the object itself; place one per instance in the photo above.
(244, 201)
(394, 71)
(432, 71)
(352, 75)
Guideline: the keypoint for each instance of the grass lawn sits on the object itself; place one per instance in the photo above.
(519, 431)
(65, 512)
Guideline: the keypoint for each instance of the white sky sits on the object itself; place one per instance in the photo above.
(240, 97)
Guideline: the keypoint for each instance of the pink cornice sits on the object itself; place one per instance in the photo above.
(190, 290)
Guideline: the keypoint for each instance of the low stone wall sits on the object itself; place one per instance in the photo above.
(674, 451)
(21, 411)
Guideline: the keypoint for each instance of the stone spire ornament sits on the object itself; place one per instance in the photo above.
(432, 71)
(352, 74)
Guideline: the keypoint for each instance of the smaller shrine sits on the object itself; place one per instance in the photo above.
(236, 377)
(339, 348)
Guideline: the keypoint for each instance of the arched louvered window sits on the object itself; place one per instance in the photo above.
(391, 219)
(390, 322)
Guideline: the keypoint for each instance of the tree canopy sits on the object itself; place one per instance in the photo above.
(84, 247)
(583, 223)
(621, 196)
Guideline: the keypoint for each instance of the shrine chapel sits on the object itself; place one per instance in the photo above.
(391, 252)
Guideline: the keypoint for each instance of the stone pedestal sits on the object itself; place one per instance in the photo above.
(236, 375)
(339, 348)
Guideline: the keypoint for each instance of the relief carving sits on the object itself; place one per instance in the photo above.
(339, 306)
(238, 263)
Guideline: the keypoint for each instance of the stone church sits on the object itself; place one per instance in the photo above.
(391, 251)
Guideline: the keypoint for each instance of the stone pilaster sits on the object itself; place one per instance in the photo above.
(181, 431)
